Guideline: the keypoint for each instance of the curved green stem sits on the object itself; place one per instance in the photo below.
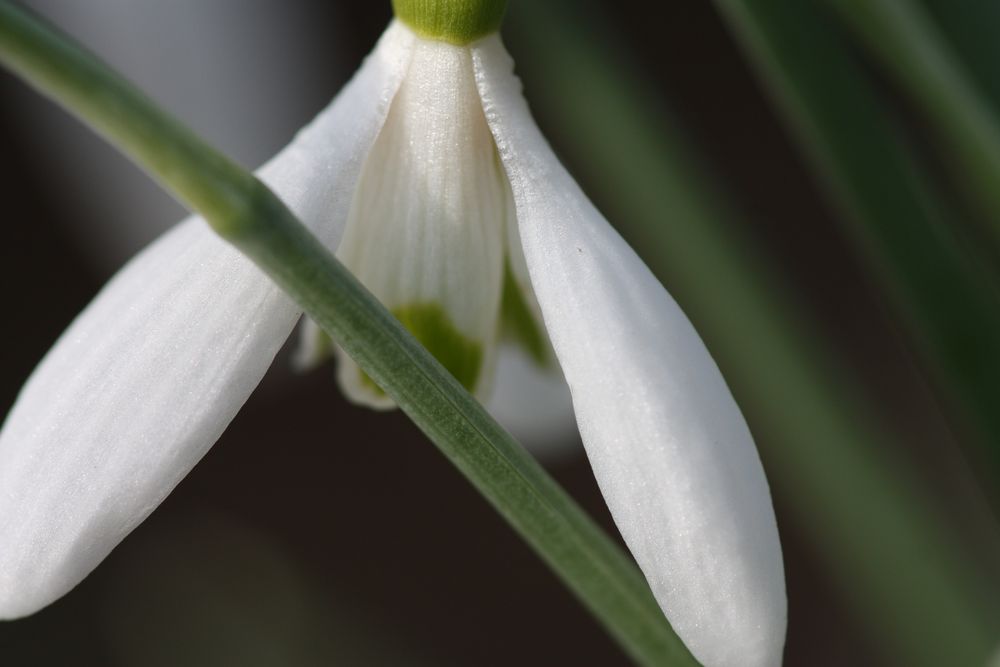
(247, 214)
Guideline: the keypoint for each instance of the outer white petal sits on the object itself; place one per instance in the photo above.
(150, 374)
(670, 450)
(317, 173)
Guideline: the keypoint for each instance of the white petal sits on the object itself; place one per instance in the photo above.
(533, 403)
(669, 447)
(129, 399)
(519, 273)
(313, 346)
(530, 397)
(150, 374)
(317, 173)
(426, 229)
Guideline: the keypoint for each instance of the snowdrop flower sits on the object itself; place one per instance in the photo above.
(429, 177)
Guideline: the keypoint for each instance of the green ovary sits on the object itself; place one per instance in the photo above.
(429, 323)
(458, 22)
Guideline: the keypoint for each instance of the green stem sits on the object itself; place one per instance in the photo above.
(900, 35)
(247, 214)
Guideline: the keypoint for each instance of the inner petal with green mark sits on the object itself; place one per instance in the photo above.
(432, 232)
(426, 231)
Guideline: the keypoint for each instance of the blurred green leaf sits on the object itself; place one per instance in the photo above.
(896, 560)
(178, 597)
(970, 27)
(903, 39)
(895, 215)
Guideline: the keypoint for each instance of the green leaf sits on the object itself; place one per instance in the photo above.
(970, 27)
(894, 213)
(903, 39)
(897, 219)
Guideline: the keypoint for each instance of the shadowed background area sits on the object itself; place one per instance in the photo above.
(318, 533)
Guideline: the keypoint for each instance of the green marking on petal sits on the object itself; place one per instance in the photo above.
(518, 322)
(369, 383)
(458, 22)
(429, 323)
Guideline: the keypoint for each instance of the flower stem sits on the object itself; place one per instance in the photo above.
(244, 212)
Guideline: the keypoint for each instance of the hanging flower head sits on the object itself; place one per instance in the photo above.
(431, 181)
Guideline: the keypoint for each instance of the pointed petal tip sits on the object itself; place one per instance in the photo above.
(128, 400)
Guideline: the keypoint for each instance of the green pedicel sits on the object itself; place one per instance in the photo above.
(458, 22)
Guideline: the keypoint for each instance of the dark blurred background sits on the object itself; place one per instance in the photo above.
(315, 532)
